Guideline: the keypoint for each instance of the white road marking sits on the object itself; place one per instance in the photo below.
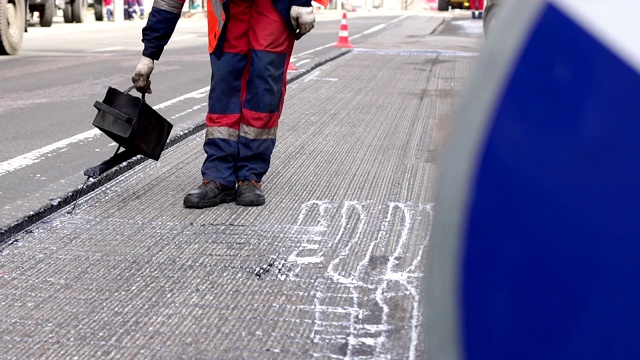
(192, 95)
(184, 37)
(35, 156)
(372, 30)
(108, 49)
(314, 76)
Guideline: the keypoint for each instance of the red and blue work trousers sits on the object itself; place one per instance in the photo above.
(476, 5)
(248, 86)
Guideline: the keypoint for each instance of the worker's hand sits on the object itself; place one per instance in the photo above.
(140, 77)
(302, 19)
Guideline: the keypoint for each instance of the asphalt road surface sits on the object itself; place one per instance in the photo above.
(329, 268)
(47, 94)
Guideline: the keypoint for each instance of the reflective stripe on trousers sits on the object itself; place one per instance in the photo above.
(247, 91)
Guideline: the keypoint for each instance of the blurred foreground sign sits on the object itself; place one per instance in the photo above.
(536, 246)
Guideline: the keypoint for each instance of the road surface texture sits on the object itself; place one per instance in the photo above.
(330, 267)
(47, 94)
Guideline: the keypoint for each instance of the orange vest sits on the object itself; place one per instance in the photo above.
(215, 18)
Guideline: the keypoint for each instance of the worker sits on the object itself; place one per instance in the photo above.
(477, 6)
(246, 37)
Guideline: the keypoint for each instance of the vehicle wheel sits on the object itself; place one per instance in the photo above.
(12, 25)
(489, 19)
(46, 15)
(97, 8)
(79, 12)
(67, 13)
(443, 5)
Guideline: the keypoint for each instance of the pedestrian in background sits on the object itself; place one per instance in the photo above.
(477, 6)
(140, 8)
(129, 9)
(249, 57)
(108, 4)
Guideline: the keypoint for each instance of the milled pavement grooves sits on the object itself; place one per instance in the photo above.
(328, 268)
(57, 204)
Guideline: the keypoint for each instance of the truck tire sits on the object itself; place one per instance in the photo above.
(79, 10)
(443, 5)
(12, 25)
(67, 13)
(97, 8)
(47, 12)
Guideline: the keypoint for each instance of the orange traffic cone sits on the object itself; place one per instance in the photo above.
(343, 35)
(291, 67)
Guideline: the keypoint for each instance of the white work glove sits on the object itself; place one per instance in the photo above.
(302, 19)
(140, 78)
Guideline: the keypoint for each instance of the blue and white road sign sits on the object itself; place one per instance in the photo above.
(536, 246)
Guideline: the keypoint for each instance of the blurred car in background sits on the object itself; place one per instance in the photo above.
(444, 5)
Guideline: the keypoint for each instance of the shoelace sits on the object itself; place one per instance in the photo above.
(255, 183)
(207, 182)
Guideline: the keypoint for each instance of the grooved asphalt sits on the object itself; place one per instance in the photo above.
(330, 267)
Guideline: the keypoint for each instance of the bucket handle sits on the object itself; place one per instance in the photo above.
(113, 112)
(131, 88)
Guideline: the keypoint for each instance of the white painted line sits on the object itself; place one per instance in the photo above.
(316, 49)
(192, 95)
(35, 156)
(184, 37)
(372, 30)
(108, 49)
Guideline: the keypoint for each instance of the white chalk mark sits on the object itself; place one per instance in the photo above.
(314, 76)
(340, 318)
(309, 238)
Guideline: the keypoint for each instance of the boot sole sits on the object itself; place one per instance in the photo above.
(190, 202)
(250, 202)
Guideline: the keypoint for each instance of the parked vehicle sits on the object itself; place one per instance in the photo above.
(16, 14)
(74, 11)
(46, 10)
(443, 5)
(13, 24)
(98, 9)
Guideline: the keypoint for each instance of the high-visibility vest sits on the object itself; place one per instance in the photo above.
(215, 18)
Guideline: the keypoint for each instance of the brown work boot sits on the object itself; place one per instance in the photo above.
(208, 194)
(249, 193)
